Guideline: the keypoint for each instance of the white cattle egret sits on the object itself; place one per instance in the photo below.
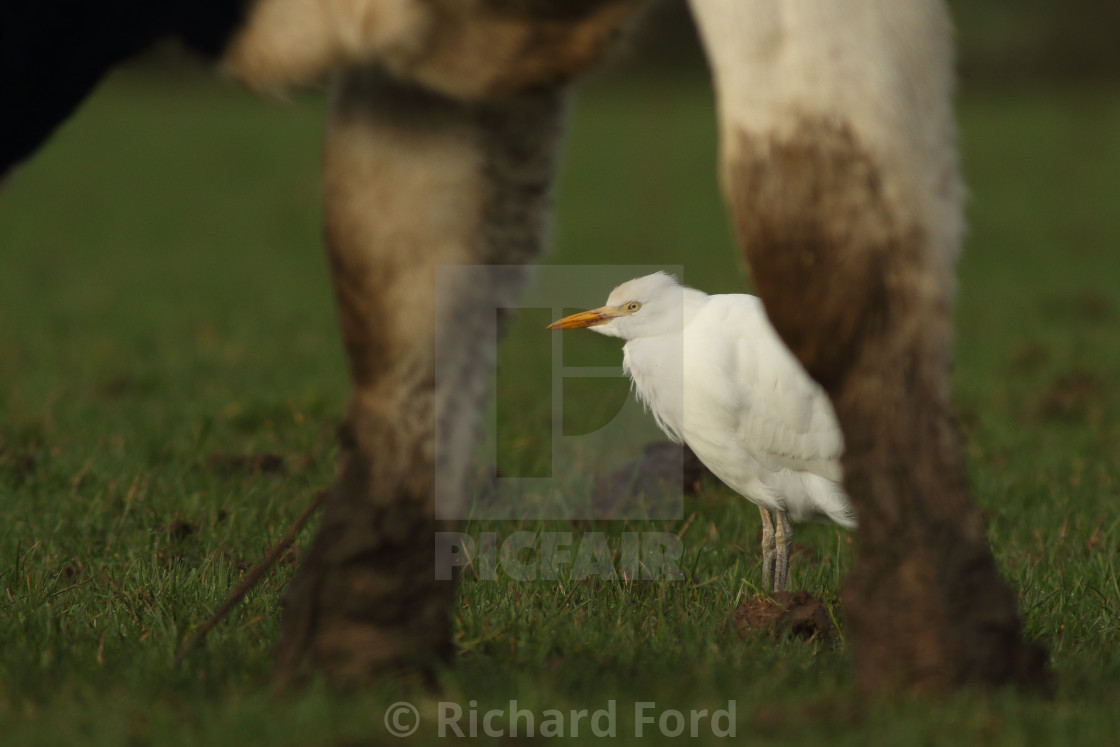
(716, 376)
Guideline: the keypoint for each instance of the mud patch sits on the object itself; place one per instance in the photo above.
(1086, 307)
(793, 612)
(71, 570)
(1074, 396)
(222, 463)
(18, 466)
(21, 447)
(180, 529)
(173, 560)
(1029, 357)
(126, 385)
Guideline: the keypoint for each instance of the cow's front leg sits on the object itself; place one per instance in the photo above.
(415, 184)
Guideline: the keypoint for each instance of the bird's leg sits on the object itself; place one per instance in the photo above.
(767, 547)
(783, 545)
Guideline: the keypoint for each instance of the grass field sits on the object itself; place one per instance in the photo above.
(171, 378)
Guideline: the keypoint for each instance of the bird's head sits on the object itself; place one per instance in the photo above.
(643, 307)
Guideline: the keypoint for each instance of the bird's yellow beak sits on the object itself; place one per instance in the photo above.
(591, 318)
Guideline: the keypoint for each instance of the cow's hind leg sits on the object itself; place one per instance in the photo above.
(413, 182)
(840, 167)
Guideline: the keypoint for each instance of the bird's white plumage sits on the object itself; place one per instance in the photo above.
(715, 375)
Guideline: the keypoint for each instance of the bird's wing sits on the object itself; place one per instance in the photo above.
(741, 379)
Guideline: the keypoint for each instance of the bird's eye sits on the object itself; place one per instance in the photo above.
(633, 306)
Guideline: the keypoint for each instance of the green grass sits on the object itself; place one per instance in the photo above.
(164, 304)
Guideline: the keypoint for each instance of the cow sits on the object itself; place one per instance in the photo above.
(839, 167)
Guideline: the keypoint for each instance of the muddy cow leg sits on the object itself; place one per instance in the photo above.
(413, 182)
(439, 153)
(840, 167)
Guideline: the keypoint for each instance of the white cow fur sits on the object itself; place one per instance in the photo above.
(882, 66)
